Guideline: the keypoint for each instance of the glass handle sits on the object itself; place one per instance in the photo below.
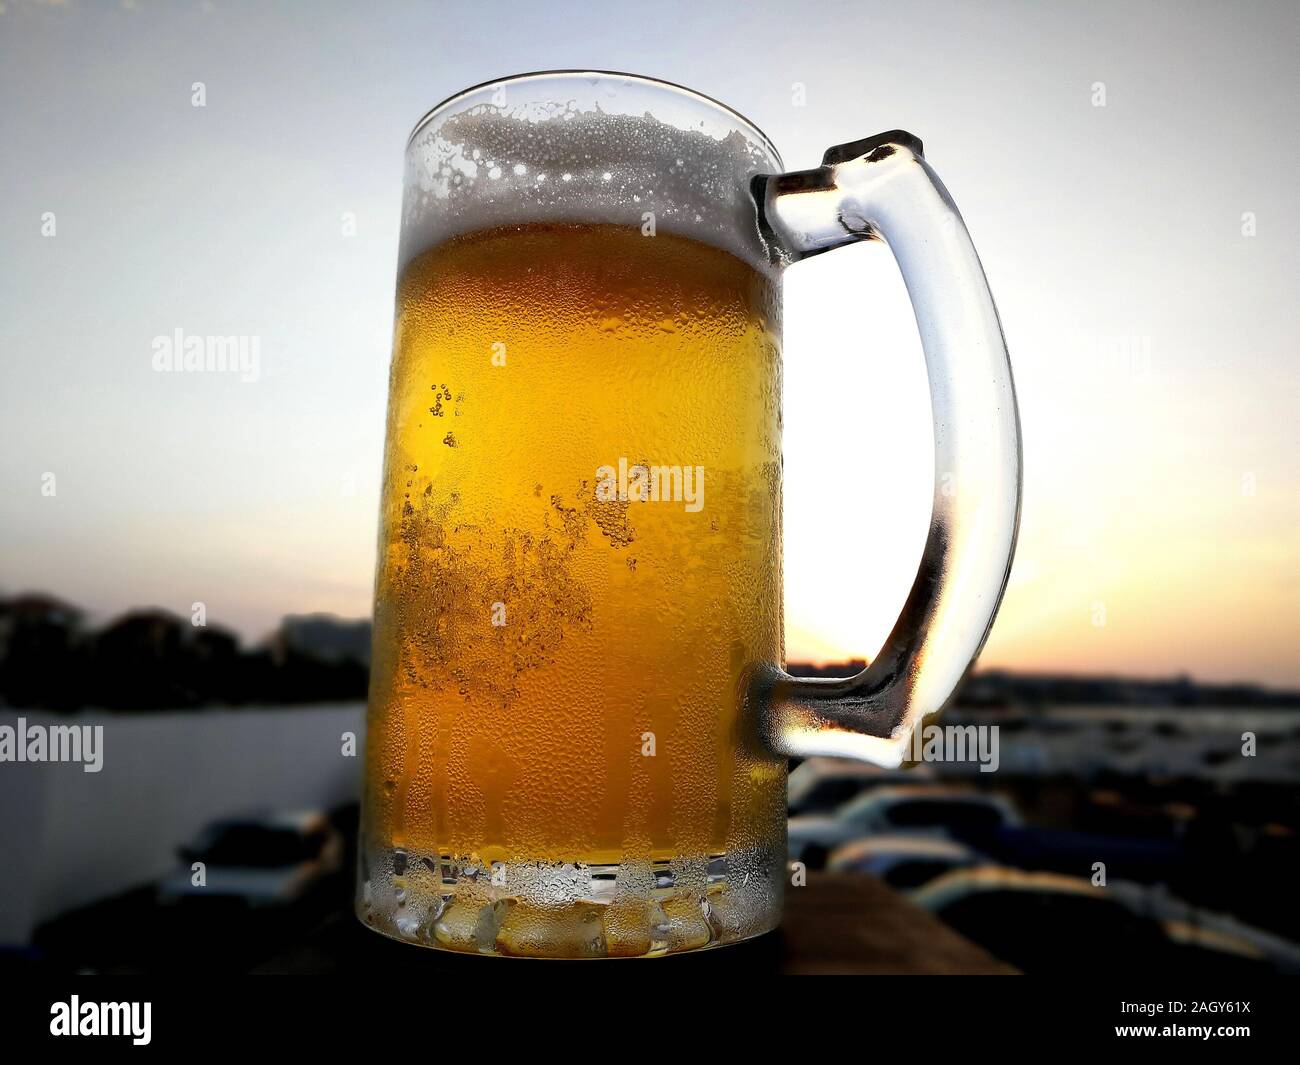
(882, 188)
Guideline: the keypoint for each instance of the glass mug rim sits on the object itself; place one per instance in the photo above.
(642, 80)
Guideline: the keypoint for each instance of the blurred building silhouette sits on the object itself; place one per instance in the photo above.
(323, 637)
(152, 659)
(994, 688)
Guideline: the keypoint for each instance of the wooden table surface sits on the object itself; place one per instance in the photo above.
(839, 923)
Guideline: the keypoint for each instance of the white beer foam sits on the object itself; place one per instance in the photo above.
(485, 166)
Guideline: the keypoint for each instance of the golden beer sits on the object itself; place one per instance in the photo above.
(559, 672)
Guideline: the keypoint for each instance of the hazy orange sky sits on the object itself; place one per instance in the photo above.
(1142, 253)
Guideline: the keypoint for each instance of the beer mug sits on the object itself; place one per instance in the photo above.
(578, 718)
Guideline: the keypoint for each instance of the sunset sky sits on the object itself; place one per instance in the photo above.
(1153, 337)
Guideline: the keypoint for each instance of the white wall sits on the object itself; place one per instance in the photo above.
(68, 837)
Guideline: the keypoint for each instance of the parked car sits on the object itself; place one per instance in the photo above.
(1053, 924)
(935, 810)
(260, 860)
(903, 862)
(821, 784)
(1148, 861)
